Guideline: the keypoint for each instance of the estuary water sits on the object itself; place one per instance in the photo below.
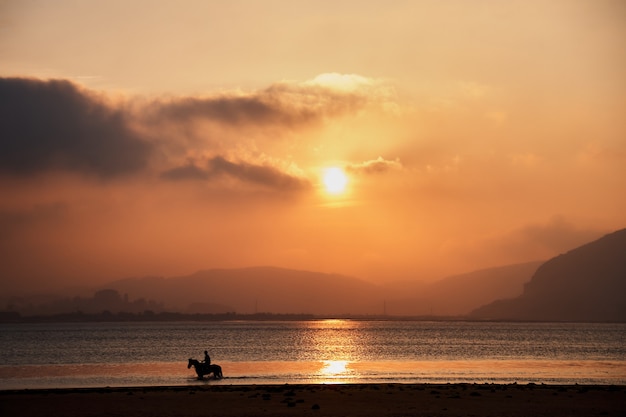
(64, 355)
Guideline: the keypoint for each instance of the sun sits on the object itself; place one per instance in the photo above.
(335, 180)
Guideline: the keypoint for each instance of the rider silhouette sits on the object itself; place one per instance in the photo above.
(207, 358)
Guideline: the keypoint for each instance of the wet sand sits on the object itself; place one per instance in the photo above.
(321, 400)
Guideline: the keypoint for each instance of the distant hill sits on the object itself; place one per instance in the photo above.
(259, 289)
(278, 290)
(584, 284)
(457, 295)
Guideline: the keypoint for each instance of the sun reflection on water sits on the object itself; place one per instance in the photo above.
(336, 341)
(336, 344)
(334, 368)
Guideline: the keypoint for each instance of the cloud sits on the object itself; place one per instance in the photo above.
(256, 109)
(342, 82)
(244, 172)
(186, 172)
(375, 166)
(284, 103)
(56, 125)
(557, 235)
(46, 125)
(12, 220)
(530, 242)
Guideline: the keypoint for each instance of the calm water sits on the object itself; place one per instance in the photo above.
(325, 351)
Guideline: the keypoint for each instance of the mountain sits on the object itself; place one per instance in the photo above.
(277, 290)
(457, 295)
(258, 289)
(585, 284)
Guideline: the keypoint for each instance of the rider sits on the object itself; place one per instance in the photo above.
(207, 358)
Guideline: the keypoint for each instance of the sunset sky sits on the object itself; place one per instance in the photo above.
(163, 137)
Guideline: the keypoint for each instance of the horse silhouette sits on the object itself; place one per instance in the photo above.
(205, 369)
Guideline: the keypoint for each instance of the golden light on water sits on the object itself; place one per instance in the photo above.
(334, 368)
(338, 343)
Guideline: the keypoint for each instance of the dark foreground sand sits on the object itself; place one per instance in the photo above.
(321, 400)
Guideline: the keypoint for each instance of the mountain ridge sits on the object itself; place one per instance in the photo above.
(282, 290)
(256, 289)
(457, 295)
(587, 283)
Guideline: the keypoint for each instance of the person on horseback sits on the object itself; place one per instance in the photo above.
(207, 358)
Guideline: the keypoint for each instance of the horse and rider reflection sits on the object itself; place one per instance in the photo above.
(205, 367)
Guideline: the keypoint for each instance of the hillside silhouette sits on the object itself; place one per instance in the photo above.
(258, 289)
(457, 295)
(585, 284)
(286, 291)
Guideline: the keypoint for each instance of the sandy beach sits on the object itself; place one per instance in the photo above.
(321, 400)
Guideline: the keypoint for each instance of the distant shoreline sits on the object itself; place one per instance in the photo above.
(321, 400)
(106, 317)
(79, 317)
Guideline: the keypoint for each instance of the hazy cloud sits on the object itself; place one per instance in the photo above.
(375, 166)
(187, 172)
(532, 242)
(245, 172)
(54, 125)
(284, 103)
(231, 110)
(12, 221)
(558, 235)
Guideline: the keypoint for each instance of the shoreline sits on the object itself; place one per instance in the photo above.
(463, 399)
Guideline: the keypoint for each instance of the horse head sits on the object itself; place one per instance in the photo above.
(191, 363)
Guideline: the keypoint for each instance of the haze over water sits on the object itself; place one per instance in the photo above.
(325, 351)
(389, 141)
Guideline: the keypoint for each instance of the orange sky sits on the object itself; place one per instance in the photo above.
(158, 138)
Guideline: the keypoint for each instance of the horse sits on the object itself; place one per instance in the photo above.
(205, 369)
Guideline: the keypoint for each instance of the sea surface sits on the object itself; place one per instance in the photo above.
(64, 355)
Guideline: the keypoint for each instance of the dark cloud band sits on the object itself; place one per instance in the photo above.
(243, 171)
(56, 125)
(48, 125)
